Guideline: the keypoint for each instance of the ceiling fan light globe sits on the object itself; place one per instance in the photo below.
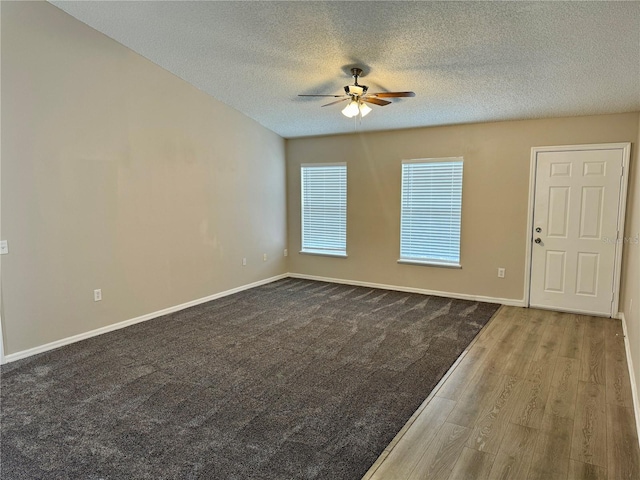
(351, 110)
(364, 109)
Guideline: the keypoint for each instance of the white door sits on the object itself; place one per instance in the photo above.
(577, 209)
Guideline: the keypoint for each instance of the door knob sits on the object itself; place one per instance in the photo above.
(538, 240)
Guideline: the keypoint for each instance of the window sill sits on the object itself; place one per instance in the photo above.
(323, 254)
(429, 263)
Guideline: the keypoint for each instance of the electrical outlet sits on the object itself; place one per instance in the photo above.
(286, 252)
(264, 257)
(244, 261)
(97, 295)
(501, 272)
(4, 247)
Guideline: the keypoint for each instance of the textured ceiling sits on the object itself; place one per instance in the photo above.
(466, 61)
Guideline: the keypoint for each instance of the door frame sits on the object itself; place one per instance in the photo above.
(622, 204)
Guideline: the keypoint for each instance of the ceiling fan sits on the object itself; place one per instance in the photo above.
(359, 96)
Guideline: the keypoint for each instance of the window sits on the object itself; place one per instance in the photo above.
(324, 208)
(430, 212)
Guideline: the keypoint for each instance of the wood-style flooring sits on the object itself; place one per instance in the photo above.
(538, 395)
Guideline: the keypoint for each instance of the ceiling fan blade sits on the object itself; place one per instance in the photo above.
(333, 103)
(393, 94)
(375, 101)
(336, 96)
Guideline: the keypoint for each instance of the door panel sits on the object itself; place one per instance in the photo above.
(575, 208)
(557, 218)
(591, 213)
(554, 272)
(587, 278)
(594, 168)
(560, 169)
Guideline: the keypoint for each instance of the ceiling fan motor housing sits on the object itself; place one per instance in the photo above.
(356, 90)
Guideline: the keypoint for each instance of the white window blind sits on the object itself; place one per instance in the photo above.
(324, 209)
(430, 211)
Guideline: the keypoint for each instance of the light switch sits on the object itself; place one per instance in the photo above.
(4, 247)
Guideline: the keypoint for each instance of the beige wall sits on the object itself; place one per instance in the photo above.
(495, 197)
(120, 176)
(630, 298)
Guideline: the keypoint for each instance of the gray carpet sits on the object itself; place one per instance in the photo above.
(292, 380)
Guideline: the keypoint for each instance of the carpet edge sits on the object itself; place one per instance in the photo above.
(392, 444)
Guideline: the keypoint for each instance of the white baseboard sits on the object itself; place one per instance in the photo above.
(632, 377)
(116, 326)
(460, 296)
